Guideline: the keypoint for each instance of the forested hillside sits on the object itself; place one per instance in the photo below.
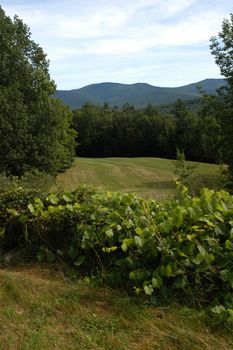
(138, 95)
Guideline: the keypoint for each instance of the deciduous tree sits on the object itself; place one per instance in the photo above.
(222, 49)
(35, 130)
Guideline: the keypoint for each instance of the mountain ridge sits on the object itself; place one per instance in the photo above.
(137, 94)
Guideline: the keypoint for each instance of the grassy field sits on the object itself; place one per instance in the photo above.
(149, 177)
(41, 309)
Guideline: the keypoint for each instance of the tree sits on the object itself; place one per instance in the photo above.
(222, 49)
(185, 126)
(35, 130)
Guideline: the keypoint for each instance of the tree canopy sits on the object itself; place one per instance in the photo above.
(35, 129)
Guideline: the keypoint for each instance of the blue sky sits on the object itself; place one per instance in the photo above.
(160, 42)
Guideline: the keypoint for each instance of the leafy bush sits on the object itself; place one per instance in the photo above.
(181, 249)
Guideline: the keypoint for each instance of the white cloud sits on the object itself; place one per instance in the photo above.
(191, 31)
(141, 31)
(97, 24)
(100, 20)
(132, 27)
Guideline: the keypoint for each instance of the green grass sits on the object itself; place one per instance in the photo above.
(149, 177)
(41, 309)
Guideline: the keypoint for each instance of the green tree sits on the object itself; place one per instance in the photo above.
(222, 49)
(35, 130)
(185, 126)
(208, 130)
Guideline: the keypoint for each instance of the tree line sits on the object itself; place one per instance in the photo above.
(128, 132)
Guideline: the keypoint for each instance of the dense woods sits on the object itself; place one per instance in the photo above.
(126, 131)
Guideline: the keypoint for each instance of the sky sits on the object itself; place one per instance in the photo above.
(159, 42)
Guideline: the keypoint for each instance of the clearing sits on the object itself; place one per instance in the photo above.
(149, 177)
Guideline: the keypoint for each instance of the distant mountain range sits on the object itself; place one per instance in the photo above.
(139, 94)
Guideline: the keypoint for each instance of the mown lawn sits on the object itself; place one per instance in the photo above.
(149, 177)
(41, 309)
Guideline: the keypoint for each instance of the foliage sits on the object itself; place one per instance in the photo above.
(35, 129)
(181, 249)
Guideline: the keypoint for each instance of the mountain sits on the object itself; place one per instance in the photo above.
(139, 94)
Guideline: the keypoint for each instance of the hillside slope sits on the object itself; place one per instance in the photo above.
(139, 94)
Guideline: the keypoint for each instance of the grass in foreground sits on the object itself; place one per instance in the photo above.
(40, 309)
(148, 177)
